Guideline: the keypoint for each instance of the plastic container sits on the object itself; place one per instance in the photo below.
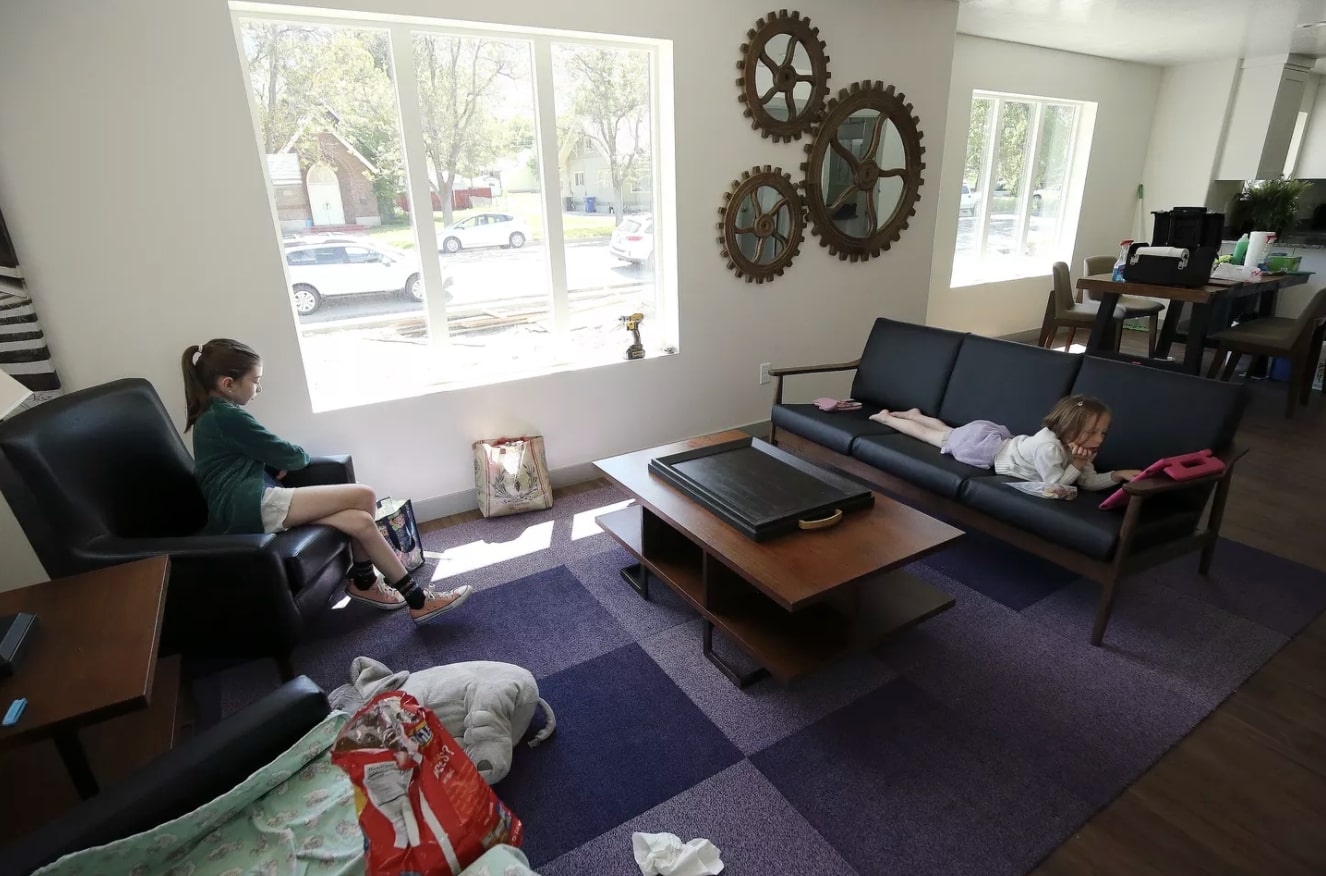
(1117, 275)
(591, 203)
(1240, 250)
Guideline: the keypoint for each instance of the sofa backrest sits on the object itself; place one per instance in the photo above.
(1159, 413)
(905, 366)
(1012, 384)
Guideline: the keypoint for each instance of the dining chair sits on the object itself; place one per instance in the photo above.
(1061, 311)
(1134, 306)
(1298, 340)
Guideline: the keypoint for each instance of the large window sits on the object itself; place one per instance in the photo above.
(459, 207)
(1021, 184)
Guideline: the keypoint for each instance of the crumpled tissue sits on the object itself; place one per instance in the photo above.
(663, 854)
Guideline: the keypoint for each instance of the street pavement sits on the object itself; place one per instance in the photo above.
(492, 275)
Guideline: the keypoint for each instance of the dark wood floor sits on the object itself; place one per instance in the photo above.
(1245, 792)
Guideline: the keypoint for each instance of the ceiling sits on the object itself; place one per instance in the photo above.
(1153, 31)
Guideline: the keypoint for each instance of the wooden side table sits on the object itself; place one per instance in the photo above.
(94, 656)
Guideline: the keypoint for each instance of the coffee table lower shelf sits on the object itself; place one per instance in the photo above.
(785, 643)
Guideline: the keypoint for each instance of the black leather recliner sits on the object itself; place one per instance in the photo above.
(101, 477)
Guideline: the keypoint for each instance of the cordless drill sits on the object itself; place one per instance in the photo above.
(632, 323)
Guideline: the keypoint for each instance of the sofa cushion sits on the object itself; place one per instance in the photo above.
(835, 431)
(915, 462)
(306, 551)
(1012, 384)
(905, 366)
(1079, 524)
(1159, 413)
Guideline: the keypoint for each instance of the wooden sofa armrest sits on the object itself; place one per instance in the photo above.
(779, 373)
(1155, 486)
(814, 369)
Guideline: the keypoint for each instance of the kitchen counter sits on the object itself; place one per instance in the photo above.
(1290, 302)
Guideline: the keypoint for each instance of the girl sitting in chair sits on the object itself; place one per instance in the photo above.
(235, 458)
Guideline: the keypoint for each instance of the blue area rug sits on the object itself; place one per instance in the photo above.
(976, 743)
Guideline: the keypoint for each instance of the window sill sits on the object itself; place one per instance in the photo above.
(985, 273)
(400, 370)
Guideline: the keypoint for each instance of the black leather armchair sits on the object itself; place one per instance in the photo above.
(180, 781)
(101, 477)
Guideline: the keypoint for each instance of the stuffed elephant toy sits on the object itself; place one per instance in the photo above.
(486, 706)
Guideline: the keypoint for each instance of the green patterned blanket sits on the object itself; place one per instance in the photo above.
(294, 816)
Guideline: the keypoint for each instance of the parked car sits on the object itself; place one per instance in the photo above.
(633, 239)
(324, 269)
(967, 206)
(484, 229)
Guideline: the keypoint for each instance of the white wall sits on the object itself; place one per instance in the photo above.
(1125, 95)
(133, 189)
(1187, 131)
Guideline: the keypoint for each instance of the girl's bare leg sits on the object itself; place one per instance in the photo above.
(917, 417)
(919, 431)
(349, 508)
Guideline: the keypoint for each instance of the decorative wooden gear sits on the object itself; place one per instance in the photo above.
(765, 226)
(866, 172)
(785, 75)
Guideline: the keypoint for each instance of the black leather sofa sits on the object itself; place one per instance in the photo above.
(180, 781)
(101, 476)
(962, 377)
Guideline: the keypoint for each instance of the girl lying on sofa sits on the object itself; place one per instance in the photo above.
(1060, 453)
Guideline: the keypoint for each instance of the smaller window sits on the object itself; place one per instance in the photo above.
(358, 255)
(300, 257)
(580, 178)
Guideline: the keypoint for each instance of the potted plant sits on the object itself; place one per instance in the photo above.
(1270, 205)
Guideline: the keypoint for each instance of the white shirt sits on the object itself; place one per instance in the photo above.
(1043, 457)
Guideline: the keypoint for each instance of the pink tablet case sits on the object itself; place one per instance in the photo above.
(1179, 468)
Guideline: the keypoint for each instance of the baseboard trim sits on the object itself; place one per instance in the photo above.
(437, 507)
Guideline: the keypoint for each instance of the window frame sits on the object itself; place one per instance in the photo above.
(989, 160)
(400, 31)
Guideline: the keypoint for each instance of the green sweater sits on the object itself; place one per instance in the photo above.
(230, 451)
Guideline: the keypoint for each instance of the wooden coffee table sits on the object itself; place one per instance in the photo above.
(94, 656)
(795, 603)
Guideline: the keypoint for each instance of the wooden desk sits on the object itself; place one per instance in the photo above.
(1204, 299)
(94, 657)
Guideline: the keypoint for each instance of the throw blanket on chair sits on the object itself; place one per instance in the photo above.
(487, 706)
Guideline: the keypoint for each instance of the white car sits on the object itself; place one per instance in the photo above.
(484, 229)
(967, 206)
(633, 240)
(320, 270)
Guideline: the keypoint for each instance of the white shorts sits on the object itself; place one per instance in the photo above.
(275, 507)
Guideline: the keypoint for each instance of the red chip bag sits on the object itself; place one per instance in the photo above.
(423, 807)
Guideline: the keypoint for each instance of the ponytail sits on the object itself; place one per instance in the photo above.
(219, 357)
(195, 393)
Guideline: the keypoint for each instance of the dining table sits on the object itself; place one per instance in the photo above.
(1211, 305)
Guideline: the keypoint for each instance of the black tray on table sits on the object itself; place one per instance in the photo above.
(759, 490)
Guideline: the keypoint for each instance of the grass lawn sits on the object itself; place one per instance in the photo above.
(526, 205)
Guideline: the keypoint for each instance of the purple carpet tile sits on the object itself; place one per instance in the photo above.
(550, 537)
(1274, 592)
(1202, 651)
(753, 826)
(627, 740)
(899, 784)
(975, 743)
(1089, 719)
(601, 575)
(1005, 574)
(763, 713)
